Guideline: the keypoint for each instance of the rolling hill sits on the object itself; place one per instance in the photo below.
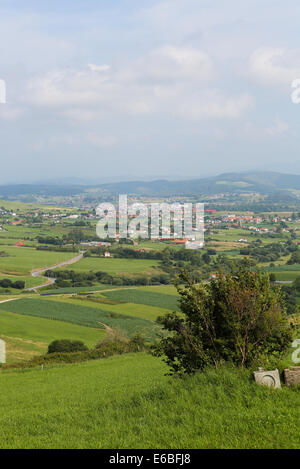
(269, 183)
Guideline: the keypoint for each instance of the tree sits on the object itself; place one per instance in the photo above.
(272, 277)
(66, 346)
(237, 317)
(295, 258)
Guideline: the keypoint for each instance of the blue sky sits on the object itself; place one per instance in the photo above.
(146, 89)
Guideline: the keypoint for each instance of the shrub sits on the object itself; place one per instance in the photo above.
(66, 346)
(103, 350)
(237, 317)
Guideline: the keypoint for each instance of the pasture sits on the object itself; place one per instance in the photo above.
(128, 402)
(28, 335)
(22, 260)
(90, 316)
(129, 309)
(29, 280)
(115, 266)
(143, 297)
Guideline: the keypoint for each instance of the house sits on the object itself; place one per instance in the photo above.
(179, 241)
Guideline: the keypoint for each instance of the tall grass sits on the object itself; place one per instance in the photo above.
(128, 402)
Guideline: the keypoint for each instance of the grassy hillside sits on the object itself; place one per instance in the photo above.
(128, 402)
(26, 336)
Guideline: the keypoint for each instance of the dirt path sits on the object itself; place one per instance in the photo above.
(50, 280)
(11, 299)
(107, 328)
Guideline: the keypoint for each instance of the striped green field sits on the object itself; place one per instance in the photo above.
(143, 297)
(90, 316)
(143, 311)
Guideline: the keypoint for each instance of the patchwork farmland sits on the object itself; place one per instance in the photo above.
(102, 300)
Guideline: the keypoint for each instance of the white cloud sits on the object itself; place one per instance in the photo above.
(10, 113)
(168, 81)
(75, 139)
(99, 68)
(274, 130)
(275, 66)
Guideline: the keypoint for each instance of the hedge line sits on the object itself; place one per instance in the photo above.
(106, 350)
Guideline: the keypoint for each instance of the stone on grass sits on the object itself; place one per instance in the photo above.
(267, 378)
(292, 376)
(2, 351)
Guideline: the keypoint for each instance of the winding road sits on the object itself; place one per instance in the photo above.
(51, 280)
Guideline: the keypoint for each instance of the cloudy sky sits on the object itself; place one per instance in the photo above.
(126, 89)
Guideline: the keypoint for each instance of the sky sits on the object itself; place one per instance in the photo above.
(130, 89)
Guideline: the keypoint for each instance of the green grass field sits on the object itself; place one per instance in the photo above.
(285, 272)
(114, 266)
(128, 402)
(129, 309)
(151, 298)
(70, 290)
(26, 336)
(22, 260)
(90, 316)
(165, 289)
(29, 280)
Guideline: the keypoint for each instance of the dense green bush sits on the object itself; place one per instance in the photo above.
(237, 318)
(67, 346)
(7, 283)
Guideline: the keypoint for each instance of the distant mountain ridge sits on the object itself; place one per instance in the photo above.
(264, 182)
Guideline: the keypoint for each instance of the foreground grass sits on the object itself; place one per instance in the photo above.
(127, 402)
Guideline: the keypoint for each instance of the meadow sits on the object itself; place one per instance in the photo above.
(144, 297)
(26, 336)
(29, 280)
(144, 311)
(90, 316)
(114, 266)
(22, 260)
(128, 402)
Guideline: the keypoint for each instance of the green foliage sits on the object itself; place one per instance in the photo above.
(68, 346)
(104, 349)
(295, 258)
(238, 318)
(7, 283)
(272, 277)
